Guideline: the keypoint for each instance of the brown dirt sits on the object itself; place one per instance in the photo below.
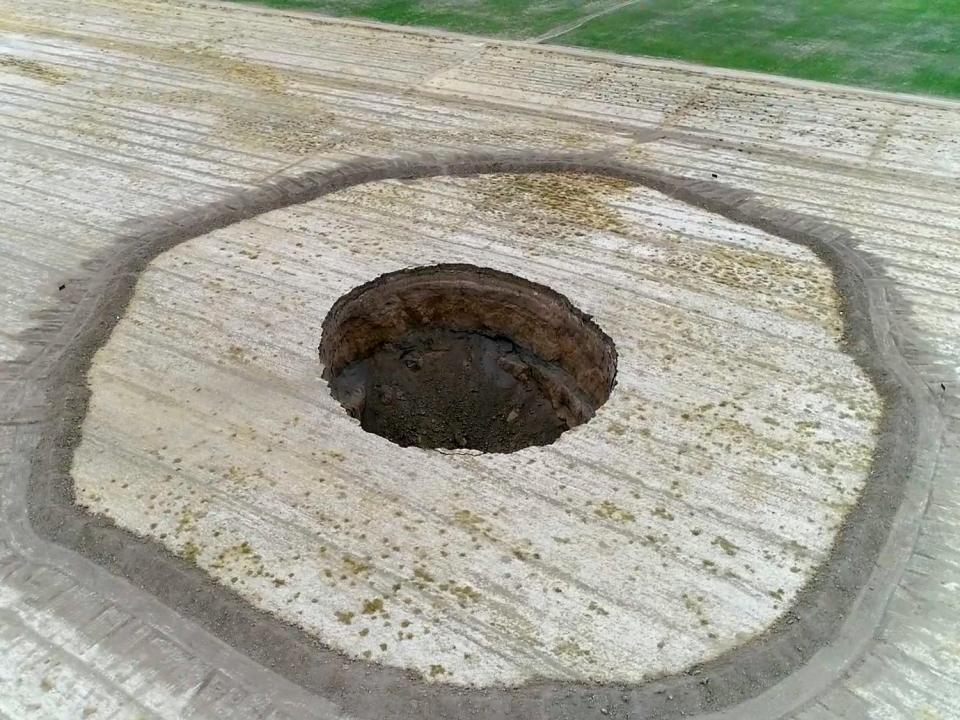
(459, 356)
(448, 389)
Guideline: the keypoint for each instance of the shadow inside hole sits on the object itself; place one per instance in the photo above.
(458, 356)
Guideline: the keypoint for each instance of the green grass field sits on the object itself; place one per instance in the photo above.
(902, 45)
(502, 18)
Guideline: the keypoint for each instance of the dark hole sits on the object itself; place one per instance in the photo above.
(456, 356)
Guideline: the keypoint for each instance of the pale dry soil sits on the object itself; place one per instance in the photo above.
(126, 109)
(676, 524)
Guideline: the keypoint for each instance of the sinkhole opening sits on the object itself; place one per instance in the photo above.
(461, 356)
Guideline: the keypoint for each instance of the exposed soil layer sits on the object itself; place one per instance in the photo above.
(449, 389)
(458, 356)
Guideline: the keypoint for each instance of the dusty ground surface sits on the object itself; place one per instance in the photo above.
(105, 124)
(683, 518)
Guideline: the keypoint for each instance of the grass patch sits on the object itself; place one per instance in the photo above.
(900, 45)
(499, 18)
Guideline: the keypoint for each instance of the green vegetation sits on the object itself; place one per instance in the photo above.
(900, 45)
(500, 18)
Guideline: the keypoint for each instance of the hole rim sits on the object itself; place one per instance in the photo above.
(563, 338)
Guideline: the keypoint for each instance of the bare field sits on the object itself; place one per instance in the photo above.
(678, 525)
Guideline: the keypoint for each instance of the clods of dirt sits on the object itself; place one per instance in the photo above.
(442, 388)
